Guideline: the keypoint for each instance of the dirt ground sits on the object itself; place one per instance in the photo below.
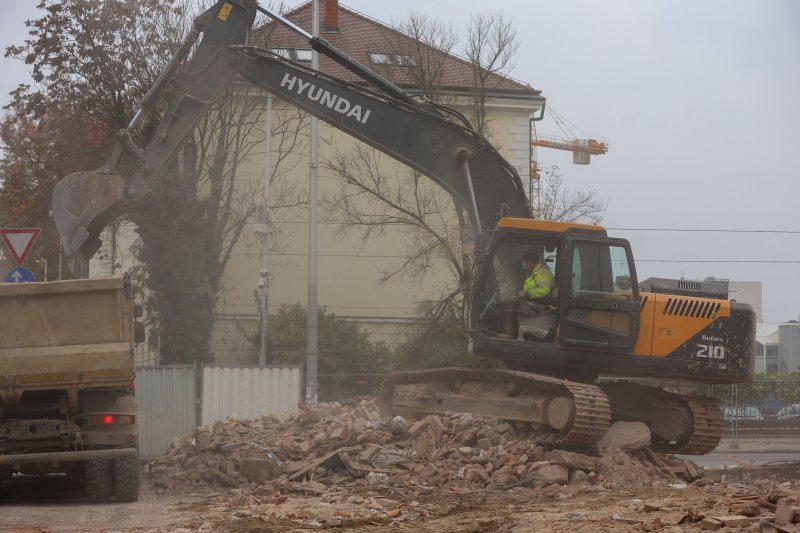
(55, 504)
(664, 507)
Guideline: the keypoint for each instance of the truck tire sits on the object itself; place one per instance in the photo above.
(126, 479)
(98, 480)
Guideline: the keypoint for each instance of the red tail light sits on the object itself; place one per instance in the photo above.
(110, 420)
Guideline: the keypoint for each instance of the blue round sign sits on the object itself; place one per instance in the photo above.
(20, 275)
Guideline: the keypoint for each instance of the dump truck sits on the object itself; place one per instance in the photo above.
(67, 369)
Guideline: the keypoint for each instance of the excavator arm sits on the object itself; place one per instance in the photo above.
(432, 139)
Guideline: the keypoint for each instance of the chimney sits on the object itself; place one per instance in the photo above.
(331, 23)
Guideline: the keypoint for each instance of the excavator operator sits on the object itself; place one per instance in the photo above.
(537, 294)
(540, 284)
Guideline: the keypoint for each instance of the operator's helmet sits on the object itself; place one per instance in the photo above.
(533, 254)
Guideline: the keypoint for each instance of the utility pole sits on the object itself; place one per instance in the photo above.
(263, 220)
(313, 326)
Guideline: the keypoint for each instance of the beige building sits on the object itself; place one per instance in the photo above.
(748, 292)
(350, 267)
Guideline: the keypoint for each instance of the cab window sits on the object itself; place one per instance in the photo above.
(600, 268)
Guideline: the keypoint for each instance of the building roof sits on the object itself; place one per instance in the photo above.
(767, 333)
(360, 35)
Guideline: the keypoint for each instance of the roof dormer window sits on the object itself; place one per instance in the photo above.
(394, 60)
(283, 52)
(293, 54)
(302, 54)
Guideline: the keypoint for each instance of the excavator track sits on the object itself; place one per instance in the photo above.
(583, 411)
(690, 425)
(707, 430)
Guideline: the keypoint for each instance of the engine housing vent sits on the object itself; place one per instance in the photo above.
(702, 289)
(691, 308)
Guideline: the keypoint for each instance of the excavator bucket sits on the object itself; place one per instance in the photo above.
(83, 204)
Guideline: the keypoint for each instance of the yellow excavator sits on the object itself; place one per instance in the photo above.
(602, 322)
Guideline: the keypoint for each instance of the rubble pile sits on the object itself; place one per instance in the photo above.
(344, 465)
(352, 444)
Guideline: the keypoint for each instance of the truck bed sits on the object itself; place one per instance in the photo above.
(70, 335)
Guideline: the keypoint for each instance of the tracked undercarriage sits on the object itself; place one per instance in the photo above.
(571, 414)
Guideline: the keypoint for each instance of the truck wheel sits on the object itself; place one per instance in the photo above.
(126, 479)
(98, 480)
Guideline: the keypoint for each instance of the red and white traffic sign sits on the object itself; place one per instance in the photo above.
(19, 241)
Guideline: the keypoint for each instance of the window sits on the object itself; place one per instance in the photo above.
(283, 52)
(406, 61)
(379, 59)
(395, 60)
(506, 275)
(303, 54)
(293, 54)
(600, 268)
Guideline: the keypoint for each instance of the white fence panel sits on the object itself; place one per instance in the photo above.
(248, 392)
(166, 398)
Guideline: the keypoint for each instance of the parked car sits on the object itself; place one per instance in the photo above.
(790, 411)
(742, 413)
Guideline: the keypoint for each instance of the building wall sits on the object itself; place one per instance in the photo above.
(748, 292)
(789, 347)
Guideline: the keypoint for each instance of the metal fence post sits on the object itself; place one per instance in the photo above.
(198, 395)
(735, 417)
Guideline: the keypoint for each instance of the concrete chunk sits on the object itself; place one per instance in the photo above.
(476, 474)
(734, 520)
(785, 514)
(626, 436)
(579, 477)
(427, 473)
(710, 524)
(573, 460)
(552, 474)
(259, 470)
(467, 437)
(369, 452)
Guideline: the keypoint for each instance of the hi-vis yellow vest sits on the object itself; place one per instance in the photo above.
(540, 282)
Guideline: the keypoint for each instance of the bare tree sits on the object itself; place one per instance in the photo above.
(491, 49)
(372, 202)
(423, 57)
(566, 204)
(93, 62)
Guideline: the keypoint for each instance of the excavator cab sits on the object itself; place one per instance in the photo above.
(595, 305)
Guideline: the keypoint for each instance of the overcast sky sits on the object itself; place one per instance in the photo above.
(699, 101)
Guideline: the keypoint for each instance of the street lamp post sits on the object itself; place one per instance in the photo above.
(312, 345)
(263, 278)
(43, 260)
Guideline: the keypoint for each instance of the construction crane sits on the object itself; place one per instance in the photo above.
(582, 152)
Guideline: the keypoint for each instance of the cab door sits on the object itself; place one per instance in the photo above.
(598, 297)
